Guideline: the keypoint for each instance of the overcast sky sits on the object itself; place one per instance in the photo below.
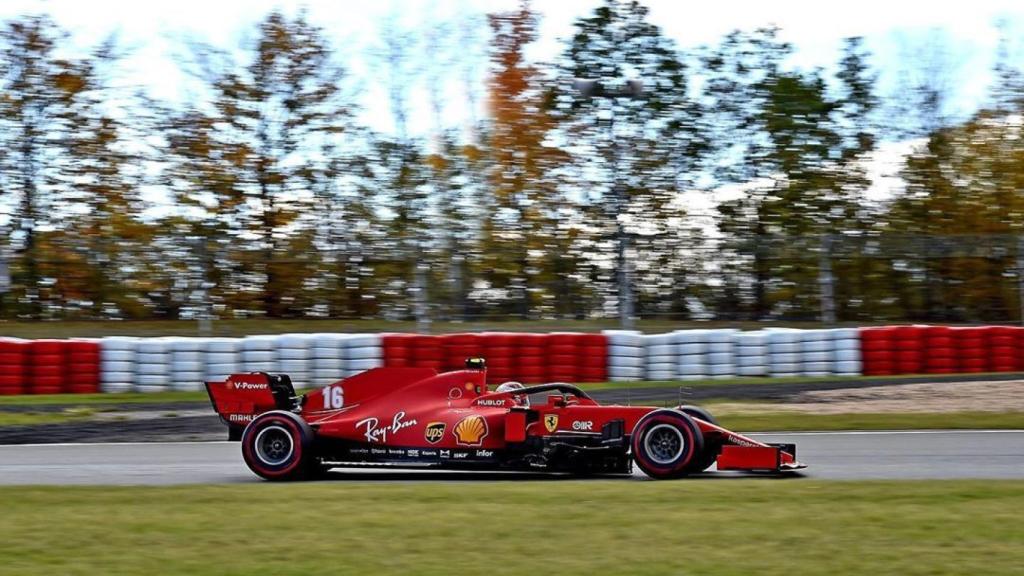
(153, 31)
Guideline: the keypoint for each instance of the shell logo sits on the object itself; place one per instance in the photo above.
(470, 431)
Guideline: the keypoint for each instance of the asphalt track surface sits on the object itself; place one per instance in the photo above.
(984, 454)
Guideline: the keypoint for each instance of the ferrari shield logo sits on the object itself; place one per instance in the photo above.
(551, 422)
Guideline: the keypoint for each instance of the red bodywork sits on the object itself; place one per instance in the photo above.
(417, 417)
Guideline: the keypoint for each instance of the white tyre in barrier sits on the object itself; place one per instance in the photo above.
(847, 345)
(721, 335)
(661, 350)
(848, 367)
(845, 334)
(816, 368)
(752, 370)
(692, 377)
(327, 353)
(119, 343)
(179, 367)
(692, 369)
(623, 378)
(152, 358)
(848, 355)
(784, 369)
(722, 369)
(627, 373)
(223, 345)
(751, 360)
(153, 369)
(660, 375)
(264, 343)
(626, 362)
(187, 356)
(720, 358)
(293, 353)
(327, 363)
(816, 335)
(249, 356)
(153, 380)
(691, 348)
(659, 339)
(815, 357)
(816, 346)
(223, 358)
(112, 366)
(188, 344)
(363, 341)
(783, 348)
(667, 366)
(116, 387)
(752, 350)
(364, 363)
(624, 338)
(783, 336)
(218, 372)
(628, 351)
(153, 346)
(720, 347)
(364, 353)
(117, 355)
(751, 339)
(293, 341)
(692, 337)
(289, 366)
(259, 367)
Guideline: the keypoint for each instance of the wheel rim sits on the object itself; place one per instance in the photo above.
(664, 443)
(274, 445)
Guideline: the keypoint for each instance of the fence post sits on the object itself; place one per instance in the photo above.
(1020, 278)
(826, 280)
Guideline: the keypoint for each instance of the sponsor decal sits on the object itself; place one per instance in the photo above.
(358, 451)
(247, 385)
(428, 453)
(380, 451)
(374, 433)
(582, 425)
(413, 453)
(434, 432)
(460, 455)
(484, 453)
(551, 422)
(396, 452)
(491, 402)
(470, 431)
(446, 453)
(241, 417)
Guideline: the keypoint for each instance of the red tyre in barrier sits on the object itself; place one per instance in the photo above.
(13, 366)
(48, 366)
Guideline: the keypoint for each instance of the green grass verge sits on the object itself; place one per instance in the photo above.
(769, 421)
(737, 527)
(35, 418)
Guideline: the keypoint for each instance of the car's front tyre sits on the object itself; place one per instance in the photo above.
(664, 443)
(278, 446)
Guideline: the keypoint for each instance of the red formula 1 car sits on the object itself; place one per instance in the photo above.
(415, 418)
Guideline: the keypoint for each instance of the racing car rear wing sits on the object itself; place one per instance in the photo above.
(242, 397)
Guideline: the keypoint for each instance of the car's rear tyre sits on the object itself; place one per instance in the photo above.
(665, 442)
(709, 454)
(277, 446)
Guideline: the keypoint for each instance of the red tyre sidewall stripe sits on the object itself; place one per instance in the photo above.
(663, 418)
(249, 440)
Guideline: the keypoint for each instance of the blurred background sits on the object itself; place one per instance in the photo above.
(455, 160)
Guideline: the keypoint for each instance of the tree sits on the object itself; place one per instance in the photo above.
(634, 154)
(38, 114)
(273, 118)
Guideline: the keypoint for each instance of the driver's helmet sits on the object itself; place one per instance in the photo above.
(521, 399)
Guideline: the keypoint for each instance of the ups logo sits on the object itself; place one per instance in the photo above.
(434, 432)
